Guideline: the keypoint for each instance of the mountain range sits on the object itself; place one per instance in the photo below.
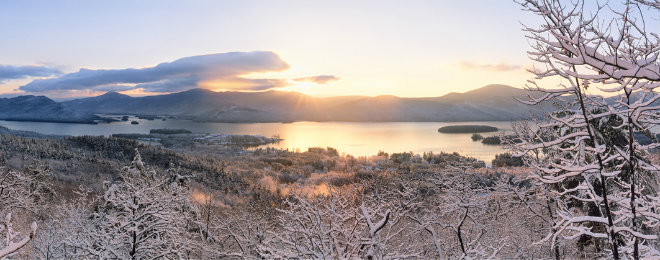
(490, 103)
(43, 109)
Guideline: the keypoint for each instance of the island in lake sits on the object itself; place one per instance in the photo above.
(466, 129)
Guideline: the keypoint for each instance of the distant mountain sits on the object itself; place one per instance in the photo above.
(490, 103)
(41, 109)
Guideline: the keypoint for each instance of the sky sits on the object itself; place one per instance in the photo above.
(412, 48)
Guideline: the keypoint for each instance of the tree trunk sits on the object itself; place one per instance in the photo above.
(458, 231)
(608, 213)
(632, 172)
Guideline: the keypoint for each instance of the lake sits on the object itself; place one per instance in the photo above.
(358, 139)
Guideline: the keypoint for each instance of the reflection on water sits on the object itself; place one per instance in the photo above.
(358, 139)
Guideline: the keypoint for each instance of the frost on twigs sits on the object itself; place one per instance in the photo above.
(468, 219)
(12, 241)
(600, 178)
(343, 225)
(143, 215)
(18, 192)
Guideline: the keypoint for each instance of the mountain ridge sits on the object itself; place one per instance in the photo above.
(41, 109)
(489, 103)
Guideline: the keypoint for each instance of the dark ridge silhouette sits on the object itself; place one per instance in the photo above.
(42, 109)
(490, 103)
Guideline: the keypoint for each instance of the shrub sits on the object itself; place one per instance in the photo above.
(506, 159)
(492, 140)
(282, 161)
(401, 157)
(333, 151)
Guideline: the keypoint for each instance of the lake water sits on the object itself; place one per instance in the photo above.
(358, 139)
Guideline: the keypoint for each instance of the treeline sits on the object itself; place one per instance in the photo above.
(166, 131)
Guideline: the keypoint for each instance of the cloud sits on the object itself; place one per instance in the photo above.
(489, 67)
(182, 74)
(321, 79)
(245, 84)
(117, 87)
(10, 72)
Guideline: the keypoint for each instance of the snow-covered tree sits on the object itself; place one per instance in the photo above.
(320, 227)
(49, 242)
(142, 215)
(239, 232)
(343, 225)
(19, 194)
(463, 216)
(589, 152)
(12, 241)
(81, 229)
(388, 211)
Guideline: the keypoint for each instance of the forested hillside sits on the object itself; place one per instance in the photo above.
(446, 203)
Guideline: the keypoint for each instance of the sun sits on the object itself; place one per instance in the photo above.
(301, 87)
